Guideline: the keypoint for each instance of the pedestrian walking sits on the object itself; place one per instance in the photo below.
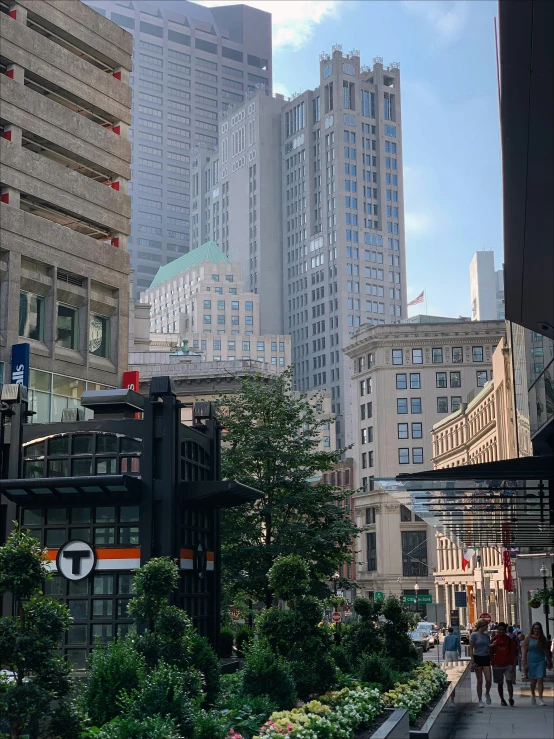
(451, 648)
(503, 654)
(479, 650)
(511, 633)
(536, 657)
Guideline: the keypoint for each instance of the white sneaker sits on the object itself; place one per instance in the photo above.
(480, 704)
(540, 702)
(533, 700)
(488, 699)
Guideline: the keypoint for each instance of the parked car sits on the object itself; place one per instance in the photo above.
(420, 639)
(430, 629)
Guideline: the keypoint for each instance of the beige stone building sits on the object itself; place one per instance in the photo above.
(65, 161)
(482, 430)
(405, 377)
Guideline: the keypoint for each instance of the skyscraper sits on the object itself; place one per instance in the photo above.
(190, 62)
(341, 203)
(486, 287)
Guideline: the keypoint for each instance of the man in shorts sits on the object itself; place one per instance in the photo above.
(503, 654)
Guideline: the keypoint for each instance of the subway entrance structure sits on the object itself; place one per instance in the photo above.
(105, 495)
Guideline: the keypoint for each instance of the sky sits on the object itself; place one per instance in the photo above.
(450, 121)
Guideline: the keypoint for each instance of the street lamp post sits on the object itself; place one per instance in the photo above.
(544, 573)
(416, 588)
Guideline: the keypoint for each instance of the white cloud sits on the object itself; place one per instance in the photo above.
(294, 21)
(418, 223)
(448, 18)
(282, 89)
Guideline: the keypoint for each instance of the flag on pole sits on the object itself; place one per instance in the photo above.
(420, 298)
(466, 558)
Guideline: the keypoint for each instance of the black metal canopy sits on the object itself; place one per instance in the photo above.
(507, 503)
(217, 494)
(92, 489)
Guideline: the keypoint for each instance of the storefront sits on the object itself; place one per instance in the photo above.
(105, 495)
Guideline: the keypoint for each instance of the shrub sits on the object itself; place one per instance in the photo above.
(376, 668)
(226, 639)
(206, 661)
(66, 722)
(152, 727)
(265, 673)
(242, 639)
(340, 658)
(210, 726)
(289, 577)
(113, 669)
(398, 645)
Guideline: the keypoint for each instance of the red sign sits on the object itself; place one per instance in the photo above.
(235, 614)
(131, 381)
(486, 616)
(336, 617)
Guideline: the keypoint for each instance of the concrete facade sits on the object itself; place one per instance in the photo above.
(204, 302)
(191, 62)
(236, 196)
(486, 288)
(404, 379)
(64, 218)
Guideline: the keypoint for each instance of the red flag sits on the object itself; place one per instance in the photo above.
(420, 298)
(466, 558)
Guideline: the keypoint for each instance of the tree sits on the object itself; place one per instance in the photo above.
(29, 640)
(271, 443)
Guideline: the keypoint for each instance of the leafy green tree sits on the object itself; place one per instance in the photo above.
(272, 443)
(398, 645)
(38, 674)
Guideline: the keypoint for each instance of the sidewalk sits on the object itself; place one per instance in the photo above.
(523, 721)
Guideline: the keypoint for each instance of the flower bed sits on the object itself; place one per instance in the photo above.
(427, 682)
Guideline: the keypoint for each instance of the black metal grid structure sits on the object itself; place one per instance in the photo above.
(508, 502)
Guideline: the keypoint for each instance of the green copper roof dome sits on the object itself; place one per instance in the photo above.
(208, 252)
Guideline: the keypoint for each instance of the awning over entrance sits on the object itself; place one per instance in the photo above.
(93, 489)
(217, 494)
(508, 503)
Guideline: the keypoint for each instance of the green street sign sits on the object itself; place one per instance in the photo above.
(425, 599)
(378, 595)
(408, 598)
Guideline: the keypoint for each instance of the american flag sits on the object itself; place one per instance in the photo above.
(420, 298)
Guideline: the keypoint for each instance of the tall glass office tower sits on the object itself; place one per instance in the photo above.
(189, 63)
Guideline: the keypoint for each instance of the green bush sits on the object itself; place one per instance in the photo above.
(242, 639)
(206, 661)
(152, 727)
(398, 645)
(265, 673)
(289, 577)
(210, 726)
(163, 692)
(340, 658)
(363, 636)
(376, 668)
(66, 722)
(113, 669)
(226, 639)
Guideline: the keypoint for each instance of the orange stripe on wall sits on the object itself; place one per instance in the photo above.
(118, 553)
(51, 554)
(186, 554)
(210, 556)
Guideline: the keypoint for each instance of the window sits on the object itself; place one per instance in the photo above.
(31, 316)
(364, 436)
(415, 404)
(234, 304)
(442, 405)
(417, 356)
(397, 356)
(401, 382)
(417, 431)
(441, 379)
(371, 541)
(417, 455)
(455, 403)
(207, 304)
(455, 379)
(362, 412)
(362, 388)
(415, 381)
(477, 353)
(67, 327)
(437, 356)
(405, 514)
(457, 354)
(482, 378)
(403, 431)
(414, 554)
(402, 405)
(99, 336)
(249, 305)
(370, 515)
(404, 456)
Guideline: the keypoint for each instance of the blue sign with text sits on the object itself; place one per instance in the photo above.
(460, 599)
(21, 354)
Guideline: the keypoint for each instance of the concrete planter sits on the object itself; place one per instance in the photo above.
(445, 715)
(397, 726)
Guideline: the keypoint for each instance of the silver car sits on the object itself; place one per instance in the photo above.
(420, 639)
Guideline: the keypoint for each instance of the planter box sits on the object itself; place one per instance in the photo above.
(445, 715)
(228, 665)
(397, 726)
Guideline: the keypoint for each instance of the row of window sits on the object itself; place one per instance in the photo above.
(248, 305)
(32, 324)
(248, 320)
(437, 355)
